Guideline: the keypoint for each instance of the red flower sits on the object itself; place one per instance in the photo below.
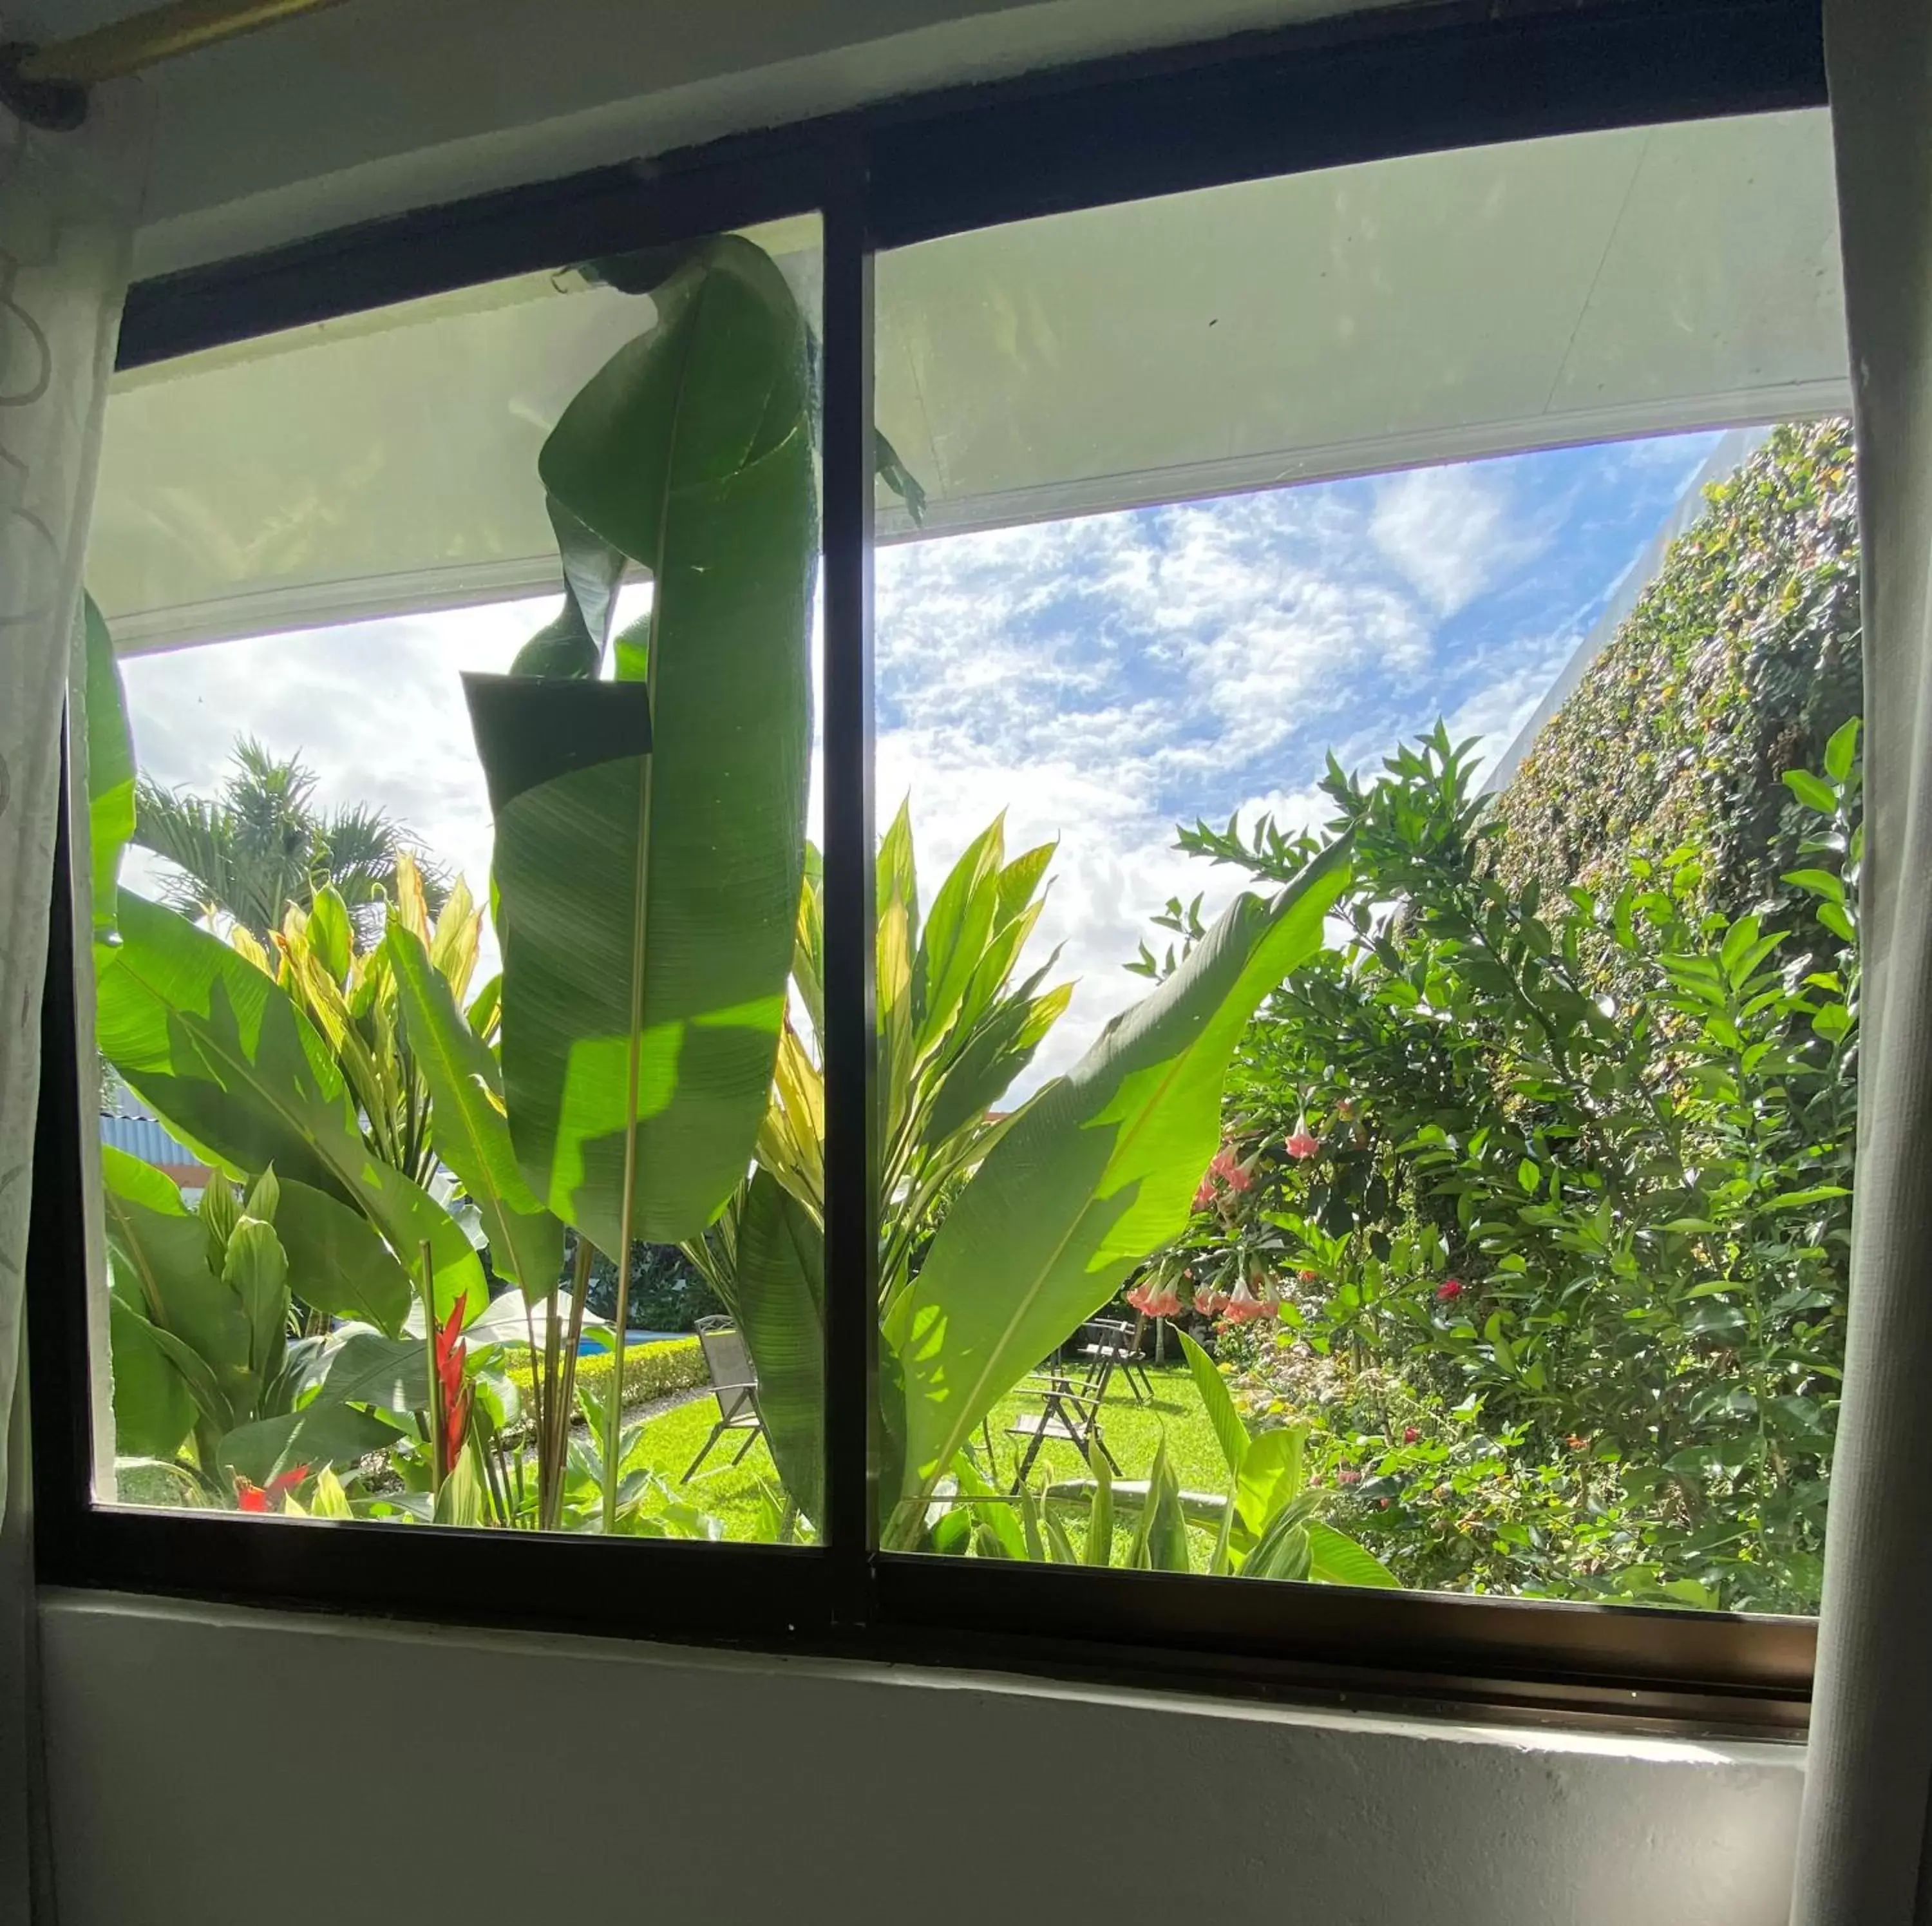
(1301, 1144)
(1348, 1475)
(1577, 1444)
(1449, 1290)
(1310, 1277)
(1410, 1434)
(451, 1353)
(249, 1497)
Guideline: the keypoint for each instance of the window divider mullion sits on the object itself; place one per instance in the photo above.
(851, 1152)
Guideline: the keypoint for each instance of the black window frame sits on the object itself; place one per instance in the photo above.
(1409, 81)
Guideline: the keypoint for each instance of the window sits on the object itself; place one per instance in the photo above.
(365, 1159)
(1034, 1130)
(1411, 1143)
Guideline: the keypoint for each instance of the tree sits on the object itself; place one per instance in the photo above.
(261, 844)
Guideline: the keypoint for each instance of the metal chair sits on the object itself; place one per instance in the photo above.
(1068, 1412)
(1108, 1345)
(734, 1383)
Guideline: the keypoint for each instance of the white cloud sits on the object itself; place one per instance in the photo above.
(1099, 680)
(1453, 532)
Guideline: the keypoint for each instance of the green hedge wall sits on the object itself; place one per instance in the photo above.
(650, 1371)
(1738, 661)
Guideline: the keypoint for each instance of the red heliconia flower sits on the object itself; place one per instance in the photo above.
(1301, 1143)
(451, 1353)
(1410, 1435)
(251, 1496)
(1449, 1290)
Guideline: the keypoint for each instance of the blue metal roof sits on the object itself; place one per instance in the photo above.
(146, 1139)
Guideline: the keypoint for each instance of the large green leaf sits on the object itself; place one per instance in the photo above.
(337, 1263)
(220, 1051)
(649, 901)
(110, 768)
(1097, 1174)
(780, 1308)
(467, 1125)
(1335, 1558)
(319, 1433)
(153, 1412)
(1230, 1433)
(159, 1251)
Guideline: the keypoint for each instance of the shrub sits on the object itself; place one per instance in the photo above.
(650, 1371)
(1561, 1274)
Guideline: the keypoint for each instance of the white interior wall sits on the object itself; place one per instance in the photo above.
(225, 1769)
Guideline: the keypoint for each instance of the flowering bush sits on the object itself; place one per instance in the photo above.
(1562, 1287)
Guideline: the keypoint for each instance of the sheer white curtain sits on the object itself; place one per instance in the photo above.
(65, 220)
(1863, 1859)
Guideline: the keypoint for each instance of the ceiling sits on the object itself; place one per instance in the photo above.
(1403, 312)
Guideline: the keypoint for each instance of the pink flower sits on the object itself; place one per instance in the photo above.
(1246, 1304)
(1348, 1475)
(1165, 1303)
(1209, 1302)
(1301, 1144)
(1410, 1435)
(1449, 1290)
(1203, 1197)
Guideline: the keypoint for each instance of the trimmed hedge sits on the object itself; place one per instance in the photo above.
(1738, 661)
(650, 1371)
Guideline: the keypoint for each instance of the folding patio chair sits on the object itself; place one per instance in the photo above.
(1069, 1412)
(734, 1383)
(1107, 1345)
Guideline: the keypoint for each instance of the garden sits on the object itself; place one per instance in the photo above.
(1477, 1184)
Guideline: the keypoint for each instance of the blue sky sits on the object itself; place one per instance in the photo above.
(1099, 679)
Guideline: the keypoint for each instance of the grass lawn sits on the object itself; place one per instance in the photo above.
(734, 1494)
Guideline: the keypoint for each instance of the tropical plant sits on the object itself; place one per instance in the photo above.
(1555, 1199)
(262, 846)
(649, 851)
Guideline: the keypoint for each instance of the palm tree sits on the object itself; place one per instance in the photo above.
(261, 844)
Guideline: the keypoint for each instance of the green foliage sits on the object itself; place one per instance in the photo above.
(1092, 1177)
(262, 847)
(1561, 1271)
(1737, 663)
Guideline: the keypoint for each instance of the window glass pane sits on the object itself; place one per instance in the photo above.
(1368, 673)
(450, 962)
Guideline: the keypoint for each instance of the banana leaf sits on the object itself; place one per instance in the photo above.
(220, 1051)
(648, 864)
(1097, 1174)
